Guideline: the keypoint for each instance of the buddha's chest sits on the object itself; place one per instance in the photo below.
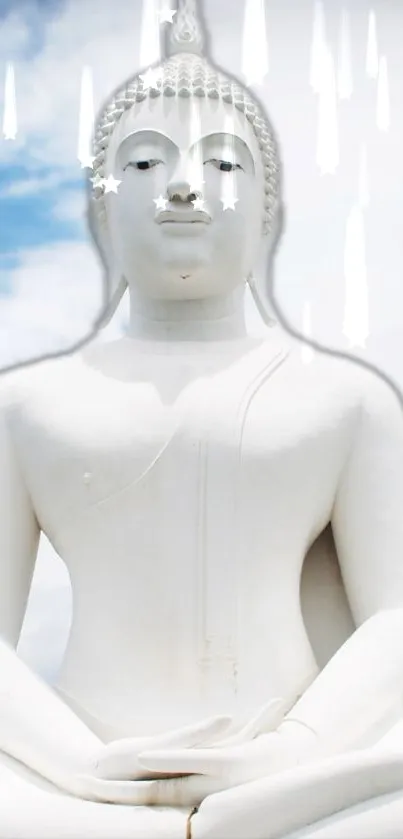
(135, 455)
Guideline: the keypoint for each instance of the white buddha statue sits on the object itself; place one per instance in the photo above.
(205, 488)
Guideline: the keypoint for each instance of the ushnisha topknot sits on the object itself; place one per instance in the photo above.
(186, 72)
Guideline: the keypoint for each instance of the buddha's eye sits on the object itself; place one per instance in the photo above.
(142, 165)
(224, 165)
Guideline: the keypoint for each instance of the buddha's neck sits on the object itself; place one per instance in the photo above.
(214, 319)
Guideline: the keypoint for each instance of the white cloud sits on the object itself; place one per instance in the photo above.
(101, 34)
(57, 296)
(32, 185)
(70, 205)
(14, 35)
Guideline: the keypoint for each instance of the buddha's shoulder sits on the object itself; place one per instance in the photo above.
(342, 380)
(28, 384)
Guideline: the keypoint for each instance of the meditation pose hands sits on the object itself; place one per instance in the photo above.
(122, 769)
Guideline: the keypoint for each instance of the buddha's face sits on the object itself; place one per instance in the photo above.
(165, 244)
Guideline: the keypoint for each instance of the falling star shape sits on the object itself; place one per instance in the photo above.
(229, 203)
(345, 72)
(363, 182)
(229, 192)
(166, 15)
(372, 59)
(10, 105)
(328, 133)
(195, 161)
(255, 60)
(160, 202)
(97, 182)
(198, 204)
(355, 325)
(383, 104)
(86, 120)
(307, 353)
(318, 49)
(111, 184)
(151, 78)
(150, 50)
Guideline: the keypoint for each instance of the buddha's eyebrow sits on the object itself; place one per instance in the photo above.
(149, 136)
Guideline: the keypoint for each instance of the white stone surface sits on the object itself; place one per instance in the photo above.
(230, 518)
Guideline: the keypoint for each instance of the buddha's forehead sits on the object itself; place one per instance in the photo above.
(183, 122)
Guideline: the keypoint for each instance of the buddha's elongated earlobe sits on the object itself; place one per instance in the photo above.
(259, 303)
(117, 285)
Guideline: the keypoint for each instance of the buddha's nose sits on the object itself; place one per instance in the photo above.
(180, 189)
(180, 186)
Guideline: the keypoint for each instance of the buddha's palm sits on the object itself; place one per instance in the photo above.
(119, 776)
(112, 776)
(119, 759)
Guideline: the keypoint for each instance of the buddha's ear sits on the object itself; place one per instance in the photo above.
(261, 280)
(115, 283)
(277, 228)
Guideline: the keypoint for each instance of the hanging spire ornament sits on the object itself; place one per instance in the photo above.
(372, 59)
(328, 130)
(355, 326)
(195, 175)
(150, 50)
(363, 183)
(86, 120)
(255, 62)
(383, 103)
(319, 45)
(344, 70)
(10, 105)
(229, 187)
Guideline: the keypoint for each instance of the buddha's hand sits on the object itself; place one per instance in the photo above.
(118, 760)
(212, 770)
(113, 774)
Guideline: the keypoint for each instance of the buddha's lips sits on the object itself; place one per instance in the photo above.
(183, 217)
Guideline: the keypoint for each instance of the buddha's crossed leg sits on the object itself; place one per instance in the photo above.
(32, 808)
(380, 818)
(355, 795)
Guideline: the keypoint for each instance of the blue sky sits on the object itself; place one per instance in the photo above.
(35, 13)
(28, 220)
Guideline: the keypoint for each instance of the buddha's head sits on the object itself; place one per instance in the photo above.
(200, 178)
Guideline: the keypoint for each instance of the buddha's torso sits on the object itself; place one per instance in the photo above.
(183, 495)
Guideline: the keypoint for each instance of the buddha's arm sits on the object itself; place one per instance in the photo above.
(35, 725)
(361, 689)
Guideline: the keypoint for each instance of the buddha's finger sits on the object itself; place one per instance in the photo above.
(267, 719)
(177, 792)
(117, 761)
(195, 761)
(192, 735)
